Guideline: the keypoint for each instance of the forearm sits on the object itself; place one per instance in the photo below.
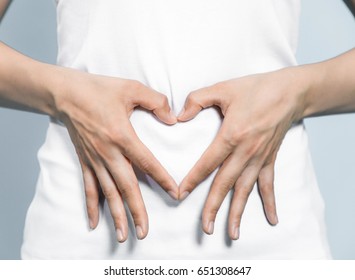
(332, 89)
(3, 7)
(25, 83)
(351, 5)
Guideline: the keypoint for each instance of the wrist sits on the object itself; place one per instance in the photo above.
(296, 84)
(47, 78)
(57, 81)
(314, 75)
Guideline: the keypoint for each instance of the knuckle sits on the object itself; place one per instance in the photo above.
(119, 136)
(162, 101)
(129, 90)
(206, 169)
(110, 194)
(127, 190)
(224, 186)
(233, 138)
(132, 86)
(266, 187)
(90, 192)
(245, 192)
(192, 99)
(99, 150)
(252, 150)
(220, 87)
(145, 165)
(91, 208)
(226, 140)
(252, 146)
(241, 134)
(96, 144)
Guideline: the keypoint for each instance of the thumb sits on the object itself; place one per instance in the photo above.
(198, 100)
(157, 103)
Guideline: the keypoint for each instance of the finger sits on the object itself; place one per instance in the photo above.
(92, 195)
(266, 189)
(114, 201)
(198, 100)
(91, 185)
(224, 181)
(242, 190)
(143, 158)
(213, 157)
(156, 102)
(126, 181)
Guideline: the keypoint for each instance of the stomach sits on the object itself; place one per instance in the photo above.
(57, 227)
(176, 48)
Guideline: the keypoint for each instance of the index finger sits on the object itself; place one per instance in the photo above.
(213, 157)
(144, 159)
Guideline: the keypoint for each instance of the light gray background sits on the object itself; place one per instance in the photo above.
(327, 29)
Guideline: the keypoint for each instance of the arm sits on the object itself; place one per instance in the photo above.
(351, 5)
(4, 4)
(95, 110)
(258, 111)
(332, 90)
(23, 83)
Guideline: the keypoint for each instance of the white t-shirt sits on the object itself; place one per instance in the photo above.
(175, 47)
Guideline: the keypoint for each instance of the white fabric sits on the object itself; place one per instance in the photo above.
(176, 46)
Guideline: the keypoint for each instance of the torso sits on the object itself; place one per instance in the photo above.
(176, 46)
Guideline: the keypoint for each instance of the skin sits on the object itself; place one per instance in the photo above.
(105, 149)
(258, 111)
(4, 4)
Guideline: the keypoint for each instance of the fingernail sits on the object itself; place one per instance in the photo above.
(276, 220)
(139, 232)
(235, 233)
(91, 224)
(273, 219)
(181, 113)
(120, 236)
(184, 195)
(210, 228)
(173, 195)
(172, 115)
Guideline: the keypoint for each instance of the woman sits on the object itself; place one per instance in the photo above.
(170, 49)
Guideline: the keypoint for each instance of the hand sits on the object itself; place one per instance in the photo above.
(258, 110)
(96, 110)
